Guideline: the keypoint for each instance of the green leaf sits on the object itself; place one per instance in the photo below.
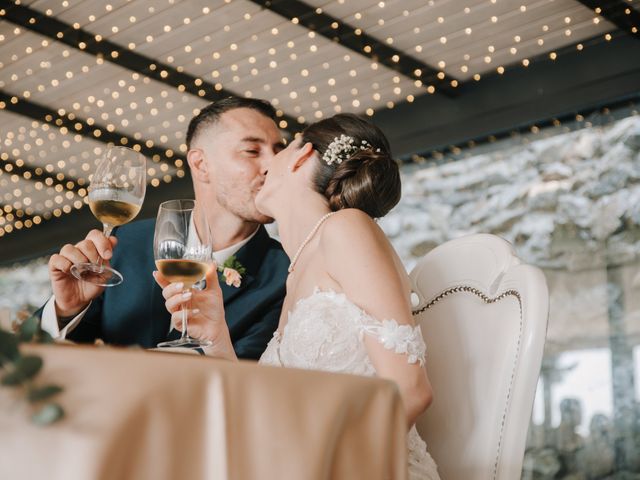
(232, 262)
(8, 347)
(29, 328)
(48, 414)
(24, 368)
(42, 393)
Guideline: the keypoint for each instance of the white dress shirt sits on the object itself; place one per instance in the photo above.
(51, 325)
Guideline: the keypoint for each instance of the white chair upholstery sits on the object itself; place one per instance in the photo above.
(484, 317)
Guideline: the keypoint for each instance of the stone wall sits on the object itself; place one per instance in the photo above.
(571, 201)
(570, 204)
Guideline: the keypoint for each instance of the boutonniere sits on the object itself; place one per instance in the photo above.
(232, 271)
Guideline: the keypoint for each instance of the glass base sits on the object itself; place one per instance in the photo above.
(186, 342)
(97, 274)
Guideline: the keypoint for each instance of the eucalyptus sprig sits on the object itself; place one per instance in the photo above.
(18, 371)
(233, 263)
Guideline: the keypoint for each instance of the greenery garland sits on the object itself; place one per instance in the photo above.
(18, 371)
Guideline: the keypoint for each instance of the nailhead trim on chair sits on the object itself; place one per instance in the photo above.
(487, 300)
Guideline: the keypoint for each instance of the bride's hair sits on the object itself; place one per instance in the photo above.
(368, 179)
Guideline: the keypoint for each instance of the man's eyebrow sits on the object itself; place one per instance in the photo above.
(280, 144)
(253, 140)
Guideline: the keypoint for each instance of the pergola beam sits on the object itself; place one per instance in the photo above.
(600, 74)
(73, 124)
(51, 178)
(622, 14)
(86, 42)
(359, 42)
(17, 241)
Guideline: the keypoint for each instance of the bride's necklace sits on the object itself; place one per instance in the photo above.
(308, 239)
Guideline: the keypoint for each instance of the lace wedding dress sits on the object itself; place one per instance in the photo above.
(325, 331)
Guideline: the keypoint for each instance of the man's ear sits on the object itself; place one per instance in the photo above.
(198, 165)
(304, 153)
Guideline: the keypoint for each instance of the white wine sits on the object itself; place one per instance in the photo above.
(181, 270)
(113, 206)
(114, 212)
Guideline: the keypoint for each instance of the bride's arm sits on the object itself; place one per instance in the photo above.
(206, 314)
(360, 258)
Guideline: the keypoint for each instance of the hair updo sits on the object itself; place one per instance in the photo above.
(369, 179)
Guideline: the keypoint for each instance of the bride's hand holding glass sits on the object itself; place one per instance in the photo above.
(205, 310)
(183, 251)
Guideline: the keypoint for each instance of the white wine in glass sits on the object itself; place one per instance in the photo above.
(183, 251)
(116, 194)
(186, 271)
(113, 206)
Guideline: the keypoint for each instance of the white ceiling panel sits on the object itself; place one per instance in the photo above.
(77, 82)
(246, 50)
(463, 38)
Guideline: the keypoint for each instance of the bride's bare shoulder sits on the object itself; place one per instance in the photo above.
(356, 252)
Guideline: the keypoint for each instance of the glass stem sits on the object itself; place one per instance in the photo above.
(106, 231)
(185, 313)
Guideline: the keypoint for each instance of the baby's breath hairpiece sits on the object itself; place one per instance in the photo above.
(341, 148)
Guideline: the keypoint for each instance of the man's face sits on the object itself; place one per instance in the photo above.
(238, 149)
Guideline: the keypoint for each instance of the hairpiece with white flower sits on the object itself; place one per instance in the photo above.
(342, 147)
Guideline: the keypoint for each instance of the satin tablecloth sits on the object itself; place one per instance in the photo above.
(133, 414)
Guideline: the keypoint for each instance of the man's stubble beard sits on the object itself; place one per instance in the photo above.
(246, 210)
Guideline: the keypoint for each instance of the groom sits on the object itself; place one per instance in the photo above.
(230, 144)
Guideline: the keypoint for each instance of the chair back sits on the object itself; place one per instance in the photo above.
(483, 314)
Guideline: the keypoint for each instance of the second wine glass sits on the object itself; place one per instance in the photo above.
(183, 251)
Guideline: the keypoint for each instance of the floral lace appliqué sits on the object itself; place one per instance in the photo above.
(404, 339)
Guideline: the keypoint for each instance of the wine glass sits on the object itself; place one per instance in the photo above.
(183, 251)
(116, 193)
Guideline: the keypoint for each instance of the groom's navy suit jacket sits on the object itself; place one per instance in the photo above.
(134, 311)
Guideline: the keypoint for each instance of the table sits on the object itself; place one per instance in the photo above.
(139, 414)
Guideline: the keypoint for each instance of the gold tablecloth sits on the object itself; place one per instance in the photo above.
(133, 414)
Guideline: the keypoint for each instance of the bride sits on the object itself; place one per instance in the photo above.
(347, 307)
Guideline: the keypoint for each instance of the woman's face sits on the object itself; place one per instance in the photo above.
(278, 179)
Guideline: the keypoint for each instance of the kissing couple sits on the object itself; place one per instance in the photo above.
(333, 295)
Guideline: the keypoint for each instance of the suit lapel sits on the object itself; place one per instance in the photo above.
(161, 320)
(250, 256)
(229, 292)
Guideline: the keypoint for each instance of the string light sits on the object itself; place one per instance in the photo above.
(134, 102)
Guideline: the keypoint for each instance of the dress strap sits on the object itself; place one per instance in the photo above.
(404, 339)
